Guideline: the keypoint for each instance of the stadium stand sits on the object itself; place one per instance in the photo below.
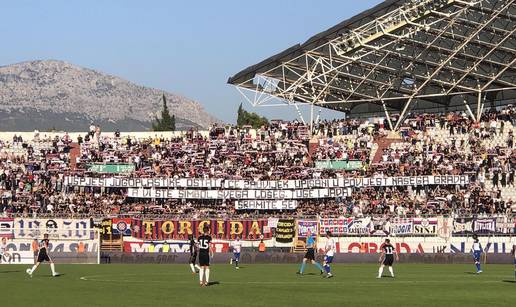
(32, 172)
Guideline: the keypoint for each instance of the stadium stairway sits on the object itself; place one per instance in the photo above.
(382, 143)
(75, 151)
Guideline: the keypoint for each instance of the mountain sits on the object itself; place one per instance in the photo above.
(54, 94)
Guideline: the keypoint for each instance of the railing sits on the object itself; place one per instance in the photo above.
(208, 216)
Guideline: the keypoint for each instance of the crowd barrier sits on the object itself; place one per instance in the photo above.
(81, 240)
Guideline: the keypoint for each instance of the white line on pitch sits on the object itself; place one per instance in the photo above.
(397, 281)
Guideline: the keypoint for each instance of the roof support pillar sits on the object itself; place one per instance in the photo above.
(300, 114)
(469, 109)
(402, 115)
(311, 119)
(480, 106)
(387, 115)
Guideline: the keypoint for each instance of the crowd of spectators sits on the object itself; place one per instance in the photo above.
(32, 171)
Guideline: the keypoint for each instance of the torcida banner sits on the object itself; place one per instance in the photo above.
(219, 229)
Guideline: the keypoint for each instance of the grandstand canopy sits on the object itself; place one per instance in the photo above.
(402, 55)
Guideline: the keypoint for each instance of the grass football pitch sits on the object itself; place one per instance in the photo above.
(257, 285)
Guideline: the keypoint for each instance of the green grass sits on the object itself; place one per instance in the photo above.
(258, 285)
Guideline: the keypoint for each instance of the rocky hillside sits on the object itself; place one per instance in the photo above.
(55, 94)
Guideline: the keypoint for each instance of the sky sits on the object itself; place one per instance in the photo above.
(190, 48)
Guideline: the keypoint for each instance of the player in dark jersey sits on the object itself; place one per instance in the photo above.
(43, 256)
(205, 253)
(193, 255)
(387, 257)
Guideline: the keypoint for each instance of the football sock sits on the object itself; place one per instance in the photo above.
(328, 269)
(33, 268)
(302, 267)
(207, 275)
(236, 263)
(201, 274)
(318, 265)
(478, 266)
(380, 271)
(192, 267)
(197, 267)
(53, 268)
(390, 270)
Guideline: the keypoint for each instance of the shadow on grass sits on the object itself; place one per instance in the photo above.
(510, 281)
(48, 276)
(213, 283)
(5, 272)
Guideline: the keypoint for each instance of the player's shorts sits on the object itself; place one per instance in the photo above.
(310, 254)
(236, 256)
(204, 259)
(43, 256)
(389, 260)
(193, 258)
(328, 259)
(476, 256)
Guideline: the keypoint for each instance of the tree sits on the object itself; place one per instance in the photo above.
(166, 122)
(250, 118)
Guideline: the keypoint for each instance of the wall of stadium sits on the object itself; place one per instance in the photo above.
(349, 250)
(438, 239)
(346, 245)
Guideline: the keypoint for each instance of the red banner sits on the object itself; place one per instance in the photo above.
(180, 229)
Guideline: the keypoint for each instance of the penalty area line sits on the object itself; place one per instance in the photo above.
(321, 282)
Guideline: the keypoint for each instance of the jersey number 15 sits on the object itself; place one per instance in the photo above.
(203, 244)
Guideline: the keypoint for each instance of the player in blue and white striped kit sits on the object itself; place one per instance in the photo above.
(330, 252)
(477, 251)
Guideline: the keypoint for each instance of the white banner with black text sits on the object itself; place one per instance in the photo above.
(258, 204)
(199, 183)
(239, 194)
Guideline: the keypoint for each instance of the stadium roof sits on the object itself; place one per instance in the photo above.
(395, 57)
